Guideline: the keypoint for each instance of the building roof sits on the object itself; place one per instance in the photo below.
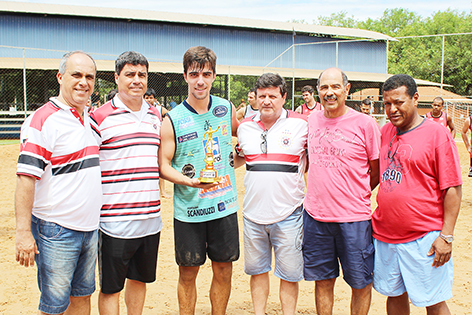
(376, 79)
(426, 91)
(171, 17)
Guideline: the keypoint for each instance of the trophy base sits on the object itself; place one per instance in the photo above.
(208, 177)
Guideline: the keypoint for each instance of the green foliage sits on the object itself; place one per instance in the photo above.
(240, 86)
(339, 19)
(421, 57)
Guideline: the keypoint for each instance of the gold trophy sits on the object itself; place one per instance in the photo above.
(209, 175)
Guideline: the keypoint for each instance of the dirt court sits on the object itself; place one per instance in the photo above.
(19, 293)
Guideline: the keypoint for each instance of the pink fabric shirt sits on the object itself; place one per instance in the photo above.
(340, 150)
(416, 167)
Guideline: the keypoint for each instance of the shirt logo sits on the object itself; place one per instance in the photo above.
(188, 170)
(220, 111)
(185, 122)
(187, 137)
(286, 139)
(221, 206)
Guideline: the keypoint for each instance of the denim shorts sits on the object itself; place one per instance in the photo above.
(325, 243)
(66, 264)
(286, 239)
(405, 267)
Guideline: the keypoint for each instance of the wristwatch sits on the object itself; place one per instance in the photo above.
(447, 238)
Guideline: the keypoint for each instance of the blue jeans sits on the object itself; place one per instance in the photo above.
(66, 264)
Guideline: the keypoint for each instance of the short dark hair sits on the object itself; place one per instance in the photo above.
(200, 56)
(366, 101)
(150, 91)
(399, 80)
(309, 89)
(253, 90)
(130, 57)
(439, 98)
(268, 80)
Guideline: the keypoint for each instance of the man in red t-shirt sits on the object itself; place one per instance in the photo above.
(418, 203)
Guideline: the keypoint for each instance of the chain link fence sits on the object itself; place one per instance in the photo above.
(441, 59)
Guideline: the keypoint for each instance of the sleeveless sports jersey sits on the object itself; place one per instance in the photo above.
(307, 111)
(250, 111)
(442, 119)
(200, 205)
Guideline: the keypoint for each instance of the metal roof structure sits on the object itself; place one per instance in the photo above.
(243, 46)
(146, 15)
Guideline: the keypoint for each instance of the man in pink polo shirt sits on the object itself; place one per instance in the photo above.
(343, 149)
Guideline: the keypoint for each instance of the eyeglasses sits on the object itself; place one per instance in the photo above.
(264, 142)
(391, 155)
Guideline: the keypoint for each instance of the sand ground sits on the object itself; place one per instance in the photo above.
(19, 293)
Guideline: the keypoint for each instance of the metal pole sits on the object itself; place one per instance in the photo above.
(24, 83)
(442, 66)
(386, 61)
(293, 69)
(229, 83)
(337, 54)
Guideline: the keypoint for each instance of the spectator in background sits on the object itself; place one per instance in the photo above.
(310, 104)
(249, 110)
(465, 128)
(150, 97)
(441, 117)
(241, 105)
(96, 99)
(366, 106)
(172, 104)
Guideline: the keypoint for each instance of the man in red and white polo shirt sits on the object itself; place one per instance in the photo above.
(128, 133)
(273, 144)
(58, 194)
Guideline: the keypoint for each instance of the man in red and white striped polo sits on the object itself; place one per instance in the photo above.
(58, 193)
(128, 132)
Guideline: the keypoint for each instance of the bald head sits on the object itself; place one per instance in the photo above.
(333, 88)
(331, 71)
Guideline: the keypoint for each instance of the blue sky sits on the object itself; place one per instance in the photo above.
(279, 10)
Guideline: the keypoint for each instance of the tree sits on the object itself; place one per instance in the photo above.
(421, 57)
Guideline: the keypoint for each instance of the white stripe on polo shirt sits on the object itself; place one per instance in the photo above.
(59, 150)
(274, 180)
(129, 143)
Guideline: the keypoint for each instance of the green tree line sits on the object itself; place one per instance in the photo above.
(421, 57)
